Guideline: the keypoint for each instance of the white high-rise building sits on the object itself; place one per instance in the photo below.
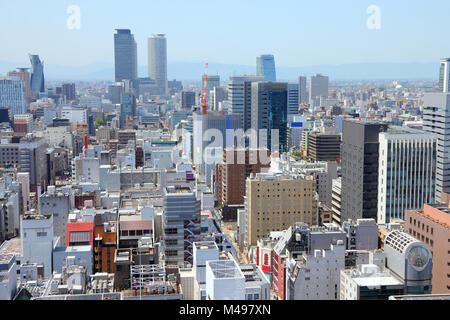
(444, 75)
(12, 95)
(302, 93)
(157, 62)
(436, 119)
(406, 172)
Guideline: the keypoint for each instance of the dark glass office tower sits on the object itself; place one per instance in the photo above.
(269, 112)
(37, 75)
(125, 55)
(359, 162)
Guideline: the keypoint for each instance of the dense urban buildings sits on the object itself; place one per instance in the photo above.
(251, 184)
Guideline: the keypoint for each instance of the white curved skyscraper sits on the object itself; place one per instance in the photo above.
(157, 62)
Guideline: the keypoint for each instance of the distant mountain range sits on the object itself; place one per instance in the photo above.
(193, 71)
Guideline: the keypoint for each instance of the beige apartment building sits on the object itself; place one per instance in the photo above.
(273, 203)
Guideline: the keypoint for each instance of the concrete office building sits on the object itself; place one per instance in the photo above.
(316, 275)
(231, 175)
(37, 241)
(157, 62)
(188, 99)
(273, 203)
(205, 152)
(239, 97)
(432, 226)
(324, 146)
(57, 203)
(302, 93)
(12, 95)
(181, 225)
(8, 276)
(369, 282)
(23, 123)
(212, 82)
(218, 95)
(269, 114)
(444, 76)
(406, 172)
(76, 115)
(360, 162)
(32, 151)
(69, 92)
(125, 55)
(298, 239)
(224, 280)
(265, 67)
(362, 234)
(318, 87)
(436, 120)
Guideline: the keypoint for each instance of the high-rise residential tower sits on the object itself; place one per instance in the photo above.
(157, 62)
(444, 75)
(436, 119)
(265, 67)
(125, 55)
(37, 75)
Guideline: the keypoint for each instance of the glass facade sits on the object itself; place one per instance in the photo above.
(265, 67)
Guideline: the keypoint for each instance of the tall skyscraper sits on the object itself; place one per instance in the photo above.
(269, 112)
(125, 55)
(407, 172)
(359, 162)
(37, 75)
(237, 96)
(302, 93)
(318, 87)
(436, 119)
(265, 67)
(444, 75)
(12, 95)
(157, 62)
(206, 148)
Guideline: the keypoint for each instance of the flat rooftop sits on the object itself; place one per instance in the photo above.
(225, 269)
(205, 245)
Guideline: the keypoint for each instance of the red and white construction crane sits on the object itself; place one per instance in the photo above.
(203, 100)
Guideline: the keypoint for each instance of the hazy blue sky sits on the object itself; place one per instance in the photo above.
(297, 32)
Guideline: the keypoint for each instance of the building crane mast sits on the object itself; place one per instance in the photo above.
(203, 100)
